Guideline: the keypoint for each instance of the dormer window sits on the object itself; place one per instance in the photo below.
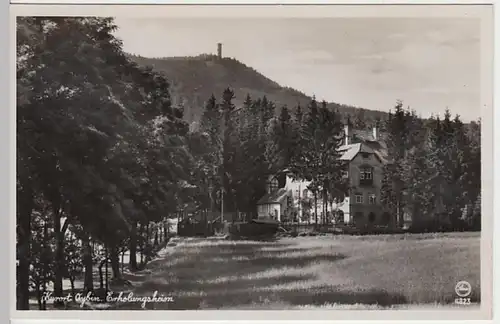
(273, 185)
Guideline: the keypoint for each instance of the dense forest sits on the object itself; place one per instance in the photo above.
(104, 157)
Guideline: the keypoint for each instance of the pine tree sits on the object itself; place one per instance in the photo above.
(392, 191)
(211, 127)
(283, 139)
(229, 149)
(416, 176)
(360, 119)
(299, 116)
(318, 157)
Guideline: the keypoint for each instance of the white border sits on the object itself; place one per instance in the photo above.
(6, 197)
(243, 2)
(242, 11)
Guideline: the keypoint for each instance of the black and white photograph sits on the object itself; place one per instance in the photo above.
(250, 163)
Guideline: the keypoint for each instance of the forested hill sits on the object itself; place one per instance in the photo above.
(195, 79)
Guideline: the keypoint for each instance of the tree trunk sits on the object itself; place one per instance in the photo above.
(101, 275)
(325, 206)
(148, 234)
(165, 230)
(59, 257)
(72, 281)
(132, 263)
(46, 263)
(88, 282)
(316, 208)
(399, 214)
(44, 291)
(155, 243)
(332, 220)
(141, 245)
(39, 297)
(106, 268)
(123, 259)
(115, 264)
(25, 205)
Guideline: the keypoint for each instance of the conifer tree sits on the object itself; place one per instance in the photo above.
(397, 134)
(229, 149)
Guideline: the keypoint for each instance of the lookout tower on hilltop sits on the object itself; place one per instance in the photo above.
(219, 50)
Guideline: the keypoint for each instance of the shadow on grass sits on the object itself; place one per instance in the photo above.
(198, 254)
(134, 276)
(185, 272)
(255, 275)
(228, 274)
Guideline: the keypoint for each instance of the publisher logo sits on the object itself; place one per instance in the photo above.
(463, 289)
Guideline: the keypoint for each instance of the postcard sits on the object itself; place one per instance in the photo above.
(268, 162)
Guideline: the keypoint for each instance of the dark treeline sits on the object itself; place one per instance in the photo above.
(435, 171)
(102, 156)
(104, 159)
(241, 147)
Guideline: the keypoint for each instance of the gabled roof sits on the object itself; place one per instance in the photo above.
(350, 151)
(275, 197)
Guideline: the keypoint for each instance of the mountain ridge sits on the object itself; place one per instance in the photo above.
(193, 79)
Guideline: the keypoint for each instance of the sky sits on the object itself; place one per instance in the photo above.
(428, 63)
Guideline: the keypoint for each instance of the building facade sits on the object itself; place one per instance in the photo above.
(364, 154)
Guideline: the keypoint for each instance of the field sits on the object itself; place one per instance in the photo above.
(325, 271)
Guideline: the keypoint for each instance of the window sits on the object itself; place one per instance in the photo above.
(359, 199)
(365, 155)
(273, 185)
(366, 174)
(305, 193)
(345, 174)
(371, 217)
(372, 199)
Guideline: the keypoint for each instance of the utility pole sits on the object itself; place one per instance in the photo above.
(299, 206)
(222, 204)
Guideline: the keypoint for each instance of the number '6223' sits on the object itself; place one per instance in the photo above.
(462, 301)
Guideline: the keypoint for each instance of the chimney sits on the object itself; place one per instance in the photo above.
(347, 133)
(219, 50)
(375, 133)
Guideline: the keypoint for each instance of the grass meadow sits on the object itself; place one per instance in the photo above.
(383, 271)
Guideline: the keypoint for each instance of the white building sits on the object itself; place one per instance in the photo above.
(291, 200)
